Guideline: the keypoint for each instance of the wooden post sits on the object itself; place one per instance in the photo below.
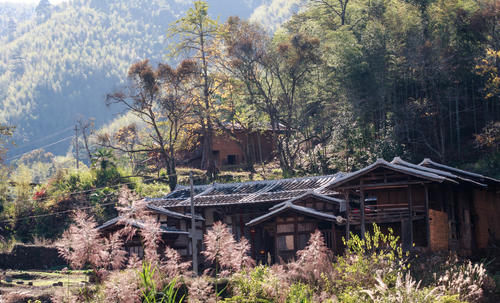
(347, 211)
(362, 210)
(193, 227)
(427, 219)
(410, 212)
(334, 239)
(276, 250)
(77, 148)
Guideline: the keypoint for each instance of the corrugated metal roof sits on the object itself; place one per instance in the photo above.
(248, 192)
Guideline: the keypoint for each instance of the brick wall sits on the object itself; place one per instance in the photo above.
(438, 229)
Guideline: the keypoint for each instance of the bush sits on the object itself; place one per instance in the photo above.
(469, 281)
(364, 259)
(261, 284)
(300, 293)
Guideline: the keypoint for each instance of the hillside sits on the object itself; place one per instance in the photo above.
(58, 67)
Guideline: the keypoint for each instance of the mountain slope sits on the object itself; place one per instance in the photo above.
(58, 68)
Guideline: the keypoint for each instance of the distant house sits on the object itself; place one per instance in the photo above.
(235, 146)
(434, 206)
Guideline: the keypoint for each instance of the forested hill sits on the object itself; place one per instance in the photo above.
(58, 63)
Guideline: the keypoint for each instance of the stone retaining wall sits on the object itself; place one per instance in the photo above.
(31, 257)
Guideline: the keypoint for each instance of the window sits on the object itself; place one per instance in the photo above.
(305, 227)
(285, 228)
(231, 159)
(136, 250)
(302, 241)
(286, 242)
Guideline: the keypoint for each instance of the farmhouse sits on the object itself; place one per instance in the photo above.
(234, 146)
(431, 205)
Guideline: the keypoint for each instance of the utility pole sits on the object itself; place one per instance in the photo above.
(76, 146)
(193, 228)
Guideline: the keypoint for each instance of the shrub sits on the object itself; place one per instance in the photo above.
(300, 293)
(467, 280)
(201, 291)
(122, 287)
(313, 262)
(82, 245)
(149, 287)
(405, 290)
(364, 259)
(261, 284)
(227, 254)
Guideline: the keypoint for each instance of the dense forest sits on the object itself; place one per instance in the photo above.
(340, 84)
(59, 59)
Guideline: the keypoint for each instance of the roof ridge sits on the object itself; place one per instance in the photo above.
(433, 170)
(457, 170)
(400, 168)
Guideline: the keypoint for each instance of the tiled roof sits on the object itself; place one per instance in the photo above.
(285, 189)
(459, 172)
(399, 168)
(248, 192)
(317, 196)
(289, 206)
(174, 214)
(440, 172)
(427, 169)
(140, 225)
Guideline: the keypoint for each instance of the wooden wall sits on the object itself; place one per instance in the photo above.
(487, 217)
(399, 195)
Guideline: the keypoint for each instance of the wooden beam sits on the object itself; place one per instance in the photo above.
(410, 212)
(334, 239)
(347, 211)
(384, 185)
(427, 219)
(362, 210)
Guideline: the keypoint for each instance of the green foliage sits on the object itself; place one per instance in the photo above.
(257, 285)
(66, 65)
(378, 252)
(300, 293)
(149, 288)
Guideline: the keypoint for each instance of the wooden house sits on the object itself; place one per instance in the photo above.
(433, 206)
(174, 228)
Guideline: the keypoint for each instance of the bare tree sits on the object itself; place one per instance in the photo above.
(162, 99)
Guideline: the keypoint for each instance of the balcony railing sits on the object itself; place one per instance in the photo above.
(386, 213)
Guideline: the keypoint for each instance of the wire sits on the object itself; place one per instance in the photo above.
(54, 143)
(84, 191)
(78, 192)
(44, 138)
(55, 213)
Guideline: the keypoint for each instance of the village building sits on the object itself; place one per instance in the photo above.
(430, 206)
(234, 146)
